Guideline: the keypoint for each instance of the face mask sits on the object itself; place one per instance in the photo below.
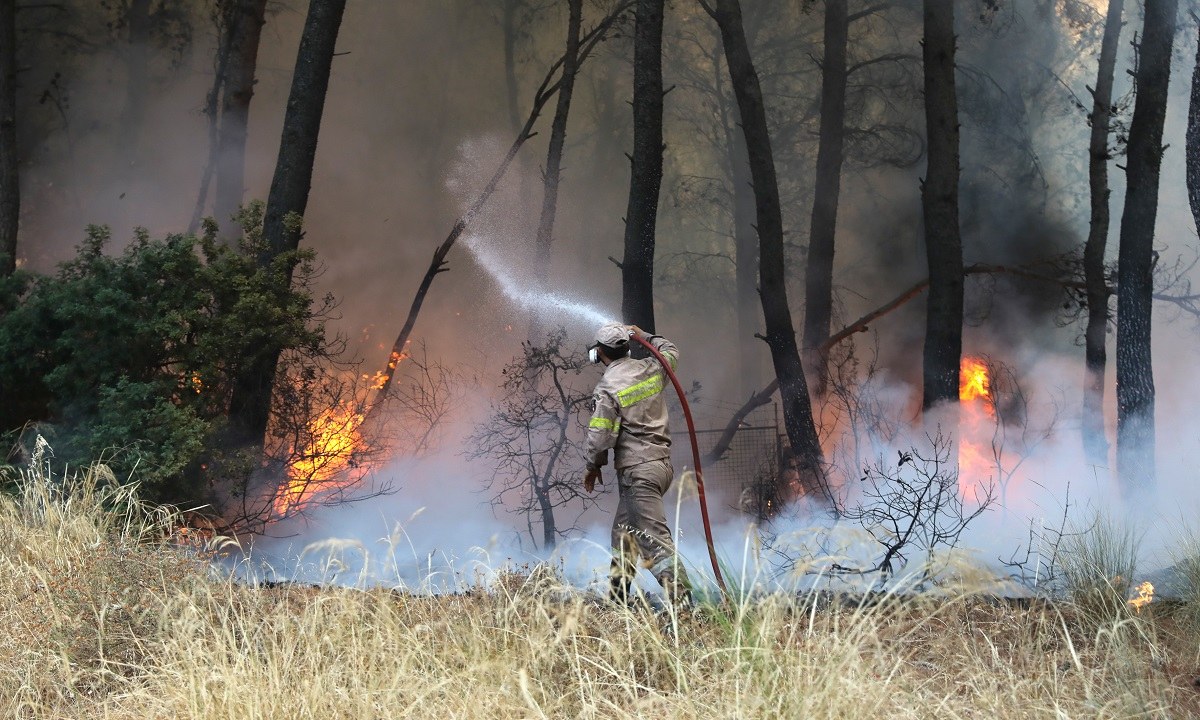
(594, 354)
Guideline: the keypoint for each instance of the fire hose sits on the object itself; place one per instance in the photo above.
(687, 414)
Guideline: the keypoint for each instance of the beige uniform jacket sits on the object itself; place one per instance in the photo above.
(631, 411)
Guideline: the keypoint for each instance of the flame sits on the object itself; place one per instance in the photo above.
(977, 415)
(381, 377)
(974, 383)
(333, 437)
(1145, 596)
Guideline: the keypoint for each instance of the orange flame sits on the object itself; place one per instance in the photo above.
(332, 439)
(381, 377)
(1145, 596)
(977, 414)
(974, 383)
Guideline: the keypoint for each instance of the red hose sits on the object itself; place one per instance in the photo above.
(687, 414)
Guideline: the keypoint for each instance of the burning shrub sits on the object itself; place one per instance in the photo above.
(133, 356)
(1097, 566)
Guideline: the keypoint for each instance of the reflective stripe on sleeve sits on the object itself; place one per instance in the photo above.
(599, 423)
(640, 391)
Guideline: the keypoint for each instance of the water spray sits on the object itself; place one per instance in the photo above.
(519, 292)
(687, 414)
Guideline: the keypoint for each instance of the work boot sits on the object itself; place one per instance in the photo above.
(677, 589)
(618, 590)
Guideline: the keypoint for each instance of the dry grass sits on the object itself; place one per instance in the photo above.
(109, 620)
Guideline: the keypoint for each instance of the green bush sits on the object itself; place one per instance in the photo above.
(133, 356)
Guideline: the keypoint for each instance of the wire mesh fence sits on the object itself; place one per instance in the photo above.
(746, 477)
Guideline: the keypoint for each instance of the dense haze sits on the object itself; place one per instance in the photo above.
(417, 117)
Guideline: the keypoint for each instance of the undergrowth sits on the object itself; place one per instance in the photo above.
(111, 617)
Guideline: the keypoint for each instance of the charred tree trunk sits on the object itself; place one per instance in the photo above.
(745, 238)
(301, 125)
(10, 189)
(549, 527)
(245, 30)
(1135, 263)
(1192, 147)
(137, 57)
(939, 201)
(251, 401)
(1094, 442)
(514, 15)
(818, 301)
(508, 23)
(553, 172)
(641, 216)
(781, 334)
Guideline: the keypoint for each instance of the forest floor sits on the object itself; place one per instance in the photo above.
(106, 618)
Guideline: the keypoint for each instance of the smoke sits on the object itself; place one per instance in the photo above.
(416, 120)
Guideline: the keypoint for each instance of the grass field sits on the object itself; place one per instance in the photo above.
(107, 617)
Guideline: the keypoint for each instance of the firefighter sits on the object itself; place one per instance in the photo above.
(630, 418)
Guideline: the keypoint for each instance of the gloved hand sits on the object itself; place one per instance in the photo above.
(635, 330)
(591, 478)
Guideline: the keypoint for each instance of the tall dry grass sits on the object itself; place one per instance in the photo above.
(111, 620)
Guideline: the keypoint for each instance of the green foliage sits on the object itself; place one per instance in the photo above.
(137, 352)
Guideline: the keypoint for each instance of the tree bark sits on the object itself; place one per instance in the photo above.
(1095, 355)
(818, 301)
(553, 172)
(508, 23)
(137, 58)
(251, 401)
(780, 333)
(10, 189)
(745, 238)
(245, 30)
(302, 124)
(1192, 146)
(637, 267)
(939, 201)
(1135, 263)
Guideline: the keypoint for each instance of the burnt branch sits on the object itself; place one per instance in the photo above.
(546, 90)
(914, 506)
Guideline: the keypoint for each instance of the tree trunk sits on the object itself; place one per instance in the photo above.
(637, 267)
(10, 189)
(245, 29)
(1192, 147)
(939, 201)
(509, 26)
(553, 172)
(745, 238)
(549, 527)
(818, 302)
(1094, 442)
(137, 58)
(1135, 263)
(780, 333)
(251, 401)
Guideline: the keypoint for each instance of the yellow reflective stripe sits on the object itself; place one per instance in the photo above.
(605, 424)
(641, 391)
